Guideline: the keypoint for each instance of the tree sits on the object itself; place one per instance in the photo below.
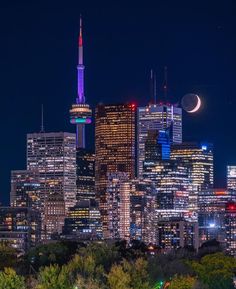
(216, 270)
(7, 256)
(89, 283)
(103, 254)
(54, 277)
(86, 268)
(47, 254)
(164, 266)
(138, 273)
(10, 280)
(182, 282)
(118, 278)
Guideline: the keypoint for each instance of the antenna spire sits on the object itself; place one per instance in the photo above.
(42, 119)
(151, 86)
(80, 43)
(155, 88)
(165, 83)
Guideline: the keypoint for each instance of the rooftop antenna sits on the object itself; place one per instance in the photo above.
(155, 88)
(151, 86)
(42, 119)
(165, 83)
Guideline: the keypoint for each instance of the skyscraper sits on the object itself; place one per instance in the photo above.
(115, 148)
(53, 155)
(80, 113)
(171, 178)
(131, 205)
(157, 117)
(198, 157)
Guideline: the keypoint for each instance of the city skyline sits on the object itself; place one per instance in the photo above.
(134, 91)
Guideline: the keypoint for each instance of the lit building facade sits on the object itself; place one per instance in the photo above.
(230, 226)
(198, 157)
(156, 117)
(170, 177)
(25, 189)
(142, 208)
(54, 215)
(130, 207)
(53, 155)
(83, 221)
(114, 149)
(176, 233)
(20, 227)
(85, 182)
(118, 205)
(231, 178)
(211, 214)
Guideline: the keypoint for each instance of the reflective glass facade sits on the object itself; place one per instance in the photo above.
(114, 148)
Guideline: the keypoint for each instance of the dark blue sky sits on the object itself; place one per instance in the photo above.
(123, 40)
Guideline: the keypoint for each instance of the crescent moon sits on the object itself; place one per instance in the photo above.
(197, 106)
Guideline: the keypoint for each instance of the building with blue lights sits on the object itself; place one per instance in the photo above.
(159, 116)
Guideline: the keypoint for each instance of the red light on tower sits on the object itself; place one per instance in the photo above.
(231, 207)
(132, 106)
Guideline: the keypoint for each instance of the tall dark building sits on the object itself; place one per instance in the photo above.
(114, 148)
(158, 116)
(85, 181)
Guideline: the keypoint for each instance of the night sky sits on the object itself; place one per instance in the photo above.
(123, 40)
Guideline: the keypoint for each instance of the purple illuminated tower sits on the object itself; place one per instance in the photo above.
(80, 113)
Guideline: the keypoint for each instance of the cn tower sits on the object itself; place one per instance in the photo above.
(80, 113)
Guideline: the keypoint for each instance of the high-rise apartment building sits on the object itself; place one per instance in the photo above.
(114, 148)
(230, 226)
(156, 117)
(131, 205)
